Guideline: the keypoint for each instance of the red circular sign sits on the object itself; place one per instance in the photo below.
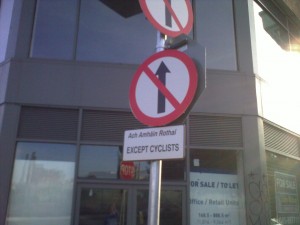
(163, 87)
(172, 18)
(127, 170)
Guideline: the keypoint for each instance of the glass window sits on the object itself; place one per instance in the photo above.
(272, 44)
(99, 161)
(105, 162)
(214, 30)
(278, 58)
(170, 207)
(214, 187)
(173, 170)
(103, 206)
(54, 29)
(106, 36)
(283, 189)
(42, 184)
(104, 33)
(134, 170)
(277, 32)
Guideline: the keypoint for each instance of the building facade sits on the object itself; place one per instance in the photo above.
(65, 72)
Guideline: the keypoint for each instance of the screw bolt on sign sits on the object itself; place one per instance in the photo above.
(163, 87)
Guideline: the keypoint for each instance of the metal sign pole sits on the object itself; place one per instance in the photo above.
(155, 167)
(154, 192)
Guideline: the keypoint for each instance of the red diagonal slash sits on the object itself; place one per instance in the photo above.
(173, 14)
(162, 88)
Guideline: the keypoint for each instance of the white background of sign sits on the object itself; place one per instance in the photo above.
(177, 83)
(157, 9)
(169, 17)
(154, 143)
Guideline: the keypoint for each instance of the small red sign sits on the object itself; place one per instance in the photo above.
(127, 170)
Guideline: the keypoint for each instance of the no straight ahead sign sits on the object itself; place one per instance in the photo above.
(163, 88)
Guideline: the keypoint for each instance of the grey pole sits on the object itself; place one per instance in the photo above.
(155, 168)
(154, 193)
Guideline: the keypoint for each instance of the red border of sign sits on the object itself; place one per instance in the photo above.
(182, 106)
(162, 29)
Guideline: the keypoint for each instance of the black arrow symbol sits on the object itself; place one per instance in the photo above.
(161, 73)
(168, 16)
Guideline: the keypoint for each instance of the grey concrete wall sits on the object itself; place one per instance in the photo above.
(255, 171)
(15, 19)
(50, 82)
(4, 73)
(9, 115)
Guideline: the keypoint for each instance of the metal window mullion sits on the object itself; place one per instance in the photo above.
(76, 32)
(75, 198)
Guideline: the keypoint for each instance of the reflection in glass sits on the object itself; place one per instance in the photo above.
(99, 161)
(54, 31)
(104, 162)
(278, 57)
(42, 184)
(143, 170)
(103, 207)
(135, 170)
(170, 207)
(173, 170)
(214, 30)
(216, 161)
(275, 30)
(283, 188)
(106, 36)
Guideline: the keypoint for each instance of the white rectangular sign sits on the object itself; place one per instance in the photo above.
(214, 199)
(154, 143)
